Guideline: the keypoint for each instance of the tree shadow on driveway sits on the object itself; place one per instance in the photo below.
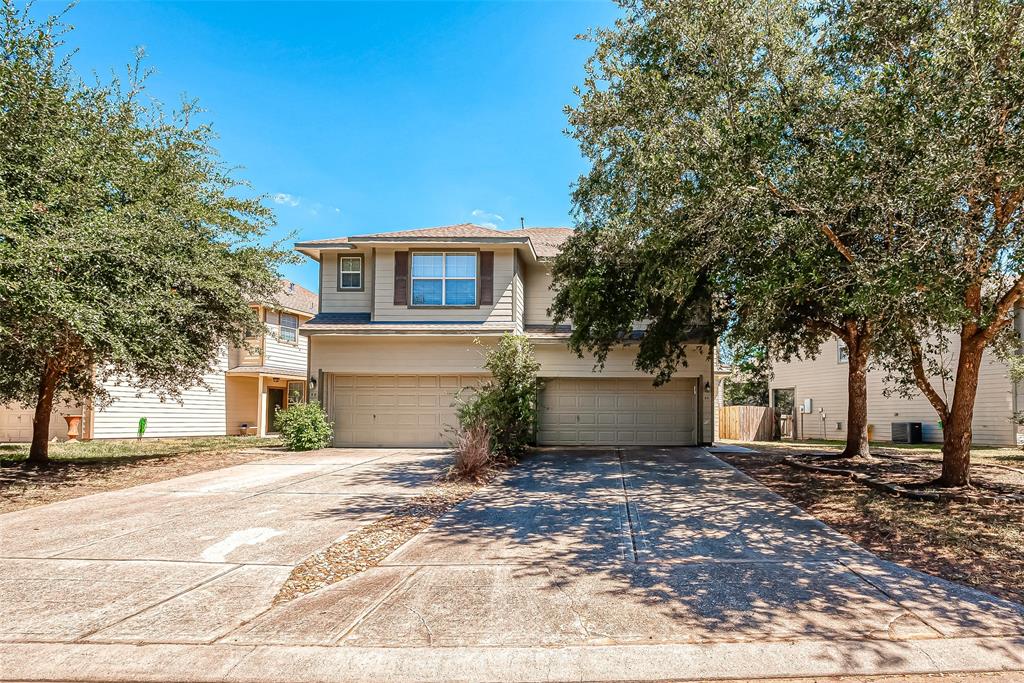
(587, 547)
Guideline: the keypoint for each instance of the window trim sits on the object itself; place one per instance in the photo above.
(287, 392)
(840, 348)
(281, 327)
(444, 279)
(362, 273)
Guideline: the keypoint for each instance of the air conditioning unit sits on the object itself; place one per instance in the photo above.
(906, 432)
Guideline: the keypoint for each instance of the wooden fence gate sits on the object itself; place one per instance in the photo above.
(746, 423)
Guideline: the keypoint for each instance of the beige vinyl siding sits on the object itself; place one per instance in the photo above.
(200, 413)
(242, 401)
(538, 294)
(498, 315)
(347, 301)
(824, 380)
(284, 354)
(397, 355)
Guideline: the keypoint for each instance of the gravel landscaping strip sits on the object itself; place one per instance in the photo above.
(367, 546)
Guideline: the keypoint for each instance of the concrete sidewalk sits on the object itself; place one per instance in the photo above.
(647, 564)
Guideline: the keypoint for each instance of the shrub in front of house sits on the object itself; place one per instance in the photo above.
(304, 427)
(505, 404)
(473, 460)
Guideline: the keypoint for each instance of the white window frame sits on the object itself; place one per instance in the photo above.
(292, 336)
(445, 278)
(842, 353)
(342, 272)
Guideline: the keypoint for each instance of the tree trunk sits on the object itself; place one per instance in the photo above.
(958, 432)
(857, 389)
(38, 454)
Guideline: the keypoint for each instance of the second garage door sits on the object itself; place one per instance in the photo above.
(395, 410)
(616, 412)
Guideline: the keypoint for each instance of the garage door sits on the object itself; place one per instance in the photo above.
(395, 410)
(616, 412)
(16, 424)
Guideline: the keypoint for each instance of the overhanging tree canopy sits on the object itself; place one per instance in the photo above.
(718, 192)
(125, 248)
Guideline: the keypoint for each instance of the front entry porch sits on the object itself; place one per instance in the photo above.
(255, 394)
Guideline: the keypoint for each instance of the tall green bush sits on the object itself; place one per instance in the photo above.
(506, 402)
(304, 427)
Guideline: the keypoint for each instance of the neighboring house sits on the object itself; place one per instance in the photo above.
(823, 380)
(241, 395)
(394, 341)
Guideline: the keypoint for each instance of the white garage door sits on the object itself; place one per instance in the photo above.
(616, 412)
(395, 410)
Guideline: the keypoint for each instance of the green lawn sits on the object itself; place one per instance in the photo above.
(128, 450)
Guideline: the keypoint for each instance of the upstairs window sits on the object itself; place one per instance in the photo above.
(444, 279)
(350, 272)
(843, 354)
(288, 329)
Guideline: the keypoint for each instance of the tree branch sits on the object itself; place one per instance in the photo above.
(1003, 307)
(825, 228)
(921, 379)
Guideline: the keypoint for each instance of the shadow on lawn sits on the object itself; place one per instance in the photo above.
(648, 546)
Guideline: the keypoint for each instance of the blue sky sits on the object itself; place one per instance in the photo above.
(362, 117)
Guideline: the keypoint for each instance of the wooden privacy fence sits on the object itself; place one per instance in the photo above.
(746, 423)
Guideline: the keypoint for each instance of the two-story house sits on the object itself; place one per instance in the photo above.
(239, 397)
(812, 391)
(405, 319)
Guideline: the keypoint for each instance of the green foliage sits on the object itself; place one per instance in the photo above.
(702, 123)
(304, 426)
(127, 250)
(506, 403)
(790, 171)
(748, 385)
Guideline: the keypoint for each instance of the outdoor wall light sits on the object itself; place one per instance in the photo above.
(707, 387)
(312, 382)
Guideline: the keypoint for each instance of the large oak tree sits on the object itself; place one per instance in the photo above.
(852, 167)
(126, 248)
(718, 192)
(941, 85)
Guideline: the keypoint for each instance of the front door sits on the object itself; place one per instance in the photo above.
(275, 401)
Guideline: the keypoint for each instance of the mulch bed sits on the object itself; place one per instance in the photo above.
(367, 546)
(978, 545)
(911, 477)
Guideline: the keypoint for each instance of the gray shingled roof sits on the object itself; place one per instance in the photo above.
(296, 298)
(547, 242)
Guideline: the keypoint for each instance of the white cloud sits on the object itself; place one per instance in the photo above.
(286, 199)
(488, 219)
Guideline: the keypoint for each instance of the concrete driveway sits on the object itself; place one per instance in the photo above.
(579, 564)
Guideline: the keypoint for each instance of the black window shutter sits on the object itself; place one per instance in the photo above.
(401, 278)
(486, 278)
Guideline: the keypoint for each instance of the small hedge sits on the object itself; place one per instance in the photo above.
(304, 427)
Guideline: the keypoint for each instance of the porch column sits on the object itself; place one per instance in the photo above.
(261, 408)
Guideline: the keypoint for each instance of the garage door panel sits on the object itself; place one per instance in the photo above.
(617, 412)
(395, 410)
